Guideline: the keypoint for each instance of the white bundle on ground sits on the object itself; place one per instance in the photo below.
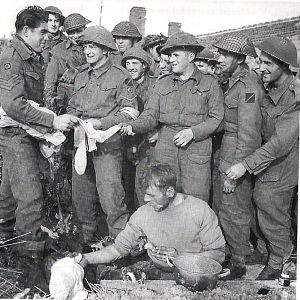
(66, 280)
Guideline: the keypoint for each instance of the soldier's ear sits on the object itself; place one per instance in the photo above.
(192, 56)
(170, 192)
(26, 30)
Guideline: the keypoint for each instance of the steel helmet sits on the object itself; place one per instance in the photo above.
(138, 53)
(56, 11)
(126, 29)
(181, 40)
(281, 48)
(152, 40)
(98, 35)
(75, 21)
(236, 43)
(206, 54)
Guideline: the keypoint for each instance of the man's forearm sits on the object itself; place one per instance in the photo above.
(103, 256)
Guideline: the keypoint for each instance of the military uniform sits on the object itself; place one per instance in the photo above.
(101, 93)
(276, 167)
(242, 136)
(50, 43)
(195, 103)
(21, 197)
(63, 56)
(145, 150)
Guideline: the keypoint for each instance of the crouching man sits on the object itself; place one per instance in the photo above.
(169, 220)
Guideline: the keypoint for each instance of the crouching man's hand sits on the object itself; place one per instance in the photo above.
(81, 260)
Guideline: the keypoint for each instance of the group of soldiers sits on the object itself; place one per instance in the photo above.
(229, 134)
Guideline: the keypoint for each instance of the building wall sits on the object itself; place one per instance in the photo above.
(138, 17)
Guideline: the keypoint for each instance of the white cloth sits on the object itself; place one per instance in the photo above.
(66, 281)
(49, 142)
(85, 139)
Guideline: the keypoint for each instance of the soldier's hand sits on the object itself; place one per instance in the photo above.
(95, 122)
(229, 186)
(183, 137)
(64, 122)
(152, 139)
(236, 171)
(69, 75)
(126, 130)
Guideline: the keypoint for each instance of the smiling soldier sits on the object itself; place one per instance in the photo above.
(189, 106)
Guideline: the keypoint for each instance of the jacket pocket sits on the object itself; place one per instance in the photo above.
(199, 159)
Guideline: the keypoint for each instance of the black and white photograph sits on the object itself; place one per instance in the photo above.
(149, 149)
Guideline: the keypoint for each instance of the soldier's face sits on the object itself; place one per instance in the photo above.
(135, 68)
(228, 61)
(36, 37)
(53, 23)
(94, 54)
(202, 66)
(271, 72)
(156, 197)
(180, 60)
(164, 64)
(123, 43)
(75, 34)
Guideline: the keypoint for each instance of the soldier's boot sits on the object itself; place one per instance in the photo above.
(268, 273)
(237, 268)
(256, 258)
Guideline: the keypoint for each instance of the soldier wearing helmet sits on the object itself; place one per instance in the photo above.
(205, 61)
(275, 163)
(242, 125)
(103, 96)
(189, 106)
(54, 36)
(66, 58)
(150, 44)
(126, 35)
(140, 150)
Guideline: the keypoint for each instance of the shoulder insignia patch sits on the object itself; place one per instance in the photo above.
(7, 66)
(8, 84)
(250, 98)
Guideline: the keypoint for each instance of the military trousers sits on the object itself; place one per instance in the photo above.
(274, 200)
(236, 213)
(191, 163)
(100, 182)
(21, 195)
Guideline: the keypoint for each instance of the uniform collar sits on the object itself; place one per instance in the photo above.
(196, 76)
(100, 70)
(240, 71)
(276, 93)
(24, 50)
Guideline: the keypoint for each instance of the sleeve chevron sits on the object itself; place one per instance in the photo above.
(9, 84)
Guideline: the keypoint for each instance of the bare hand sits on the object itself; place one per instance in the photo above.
(126, 130)
(153, 139)
(64, 122)
(95, 122)
(69, 76)
(229, 186)
(183, 137)
(236, 171)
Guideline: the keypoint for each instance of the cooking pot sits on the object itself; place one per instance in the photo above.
(195, 271)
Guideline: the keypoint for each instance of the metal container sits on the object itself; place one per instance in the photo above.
(196, 272)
